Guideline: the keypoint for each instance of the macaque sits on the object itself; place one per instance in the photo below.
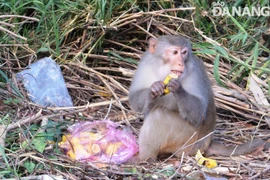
(182, 120)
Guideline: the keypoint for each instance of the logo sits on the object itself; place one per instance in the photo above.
(219, 9)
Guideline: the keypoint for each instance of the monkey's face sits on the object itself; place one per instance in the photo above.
(176, 57)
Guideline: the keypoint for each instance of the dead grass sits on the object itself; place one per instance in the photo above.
(98, 76)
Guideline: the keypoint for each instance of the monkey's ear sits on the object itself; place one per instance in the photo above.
(152, 45)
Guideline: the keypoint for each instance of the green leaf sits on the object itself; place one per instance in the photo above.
(25, 145)
(241, 69)
(43, 49)
(255, 55)
(244, 38)
(238, 24)
(39, 144)
(167, 171)
(237, 37)
(269, 87)
(221, 50)
(29, 166)
(10, 101)
(131, 170)
(129, 60)
(265, 66)
(3, 74)
(216, 71)
(203, 45)
(205, 51)
(3, 155)
(233, 69)
(5, 172)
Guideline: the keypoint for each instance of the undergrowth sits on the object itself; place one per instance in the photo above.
(100, 34)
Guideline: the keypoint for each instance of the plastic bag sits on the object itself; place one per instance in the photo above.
(45, 84)
(99, 141)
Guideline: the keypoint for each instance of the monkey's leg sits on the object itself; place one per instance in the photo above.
(148, 147)
(162, 132)
(193, 149)
(154, 134)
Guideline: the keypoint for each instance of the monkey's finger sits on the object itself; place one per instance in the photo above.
(157, 91)
(160, 84)
(173, 85)
(157, 86)
(174, 81)
(161, 89)
(154, 91)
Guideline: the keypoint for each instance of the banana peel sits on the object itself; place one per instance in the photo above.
(167, 80)
(207, 162)
(112, 148)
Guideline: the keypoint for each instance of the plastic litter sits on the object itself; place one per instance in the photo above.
(45, 84)
(99, 141)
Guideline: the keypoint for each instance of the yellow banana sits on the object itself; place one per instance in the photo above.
(207, 162)
(167, 80)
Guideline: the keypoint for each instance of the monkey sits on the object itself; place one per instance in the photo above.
(184, 119)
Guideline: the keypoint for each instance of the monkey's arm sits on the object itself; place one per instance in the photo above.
(144, 89)
(144, 99)
(193, 93)
(192, 98)
(191, 108)
(140, 100)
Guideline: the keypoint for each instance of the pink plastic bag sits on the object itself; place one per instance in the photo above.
(99, 141)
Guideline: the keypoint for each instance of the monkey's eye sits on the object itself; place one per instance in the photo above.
(184, 52)
(175, 52)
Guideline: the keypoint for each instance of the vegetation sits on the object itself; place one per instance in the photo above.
(98, 44)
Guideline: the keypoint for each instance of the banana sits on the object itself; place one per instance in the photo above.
(207, 162)
(167, 80)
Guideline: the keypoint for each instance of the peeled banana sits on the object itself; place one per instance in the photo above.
(207, 162)
(167, 80)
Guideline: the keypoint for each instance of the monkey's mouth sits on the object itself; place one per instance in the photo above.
(176, 72)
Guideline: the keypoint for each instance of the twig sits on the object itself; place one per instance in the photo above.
(4, 129)
(12, 33)
(18, 16)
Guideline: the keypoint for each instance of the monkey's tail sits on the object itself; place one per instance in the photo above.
(246, 148)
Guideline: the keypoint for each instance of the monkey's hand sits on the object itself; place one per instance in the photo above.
(174, 85)
(157, 89)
